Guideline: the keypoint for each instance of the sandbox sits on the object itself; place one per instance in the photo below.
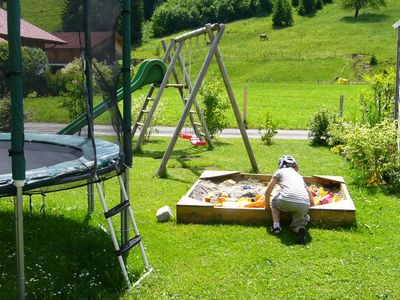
(232, 197)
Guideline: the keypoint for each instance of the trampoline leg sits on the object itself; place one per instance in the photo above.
(19, 235)
(90, 195)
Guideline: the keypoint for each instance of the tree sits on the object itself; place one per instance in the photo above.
(360, 4)
(71, 16)
(150, 6)
(137, 19)
(307, 7)
(282, 14)
(288, 18)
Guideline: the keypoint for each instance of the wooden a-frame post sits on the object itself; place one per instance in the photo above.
(161, 171)
(396, 26)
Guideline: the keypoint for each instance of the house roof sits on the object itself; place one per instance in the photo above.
(396, 25)
(28, 31)
(76, 40)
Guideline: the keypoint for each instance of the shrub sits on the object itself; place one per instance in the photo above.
(377, 99)
(373, 150)
(338, 133)
(35, 68)
(74, 98)
(267, 129)
(214, 106)
(319, 126)
(171, 17)
(57, 83)
(373, 61)
(4, 89)
(5, 115)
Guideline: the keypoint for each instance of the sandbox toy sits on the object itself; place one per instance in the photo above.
(233, 197)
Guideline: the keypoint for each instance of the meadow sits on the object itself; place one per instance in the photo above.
(291, 105)
(331, 44)
(69, 254)
(290, 75)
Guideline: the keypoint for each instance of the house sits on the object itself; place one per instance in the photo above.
(31, 35)
(102, 44)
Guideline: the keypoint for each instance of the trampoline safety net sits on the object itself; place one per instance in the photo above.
(62, 162)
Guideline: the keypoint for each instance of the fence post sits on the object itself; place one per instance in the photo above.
(245, 104)
(341, 106)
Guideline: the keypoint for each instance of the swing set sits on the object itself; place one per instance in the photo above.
(194, 137)
(175, 56)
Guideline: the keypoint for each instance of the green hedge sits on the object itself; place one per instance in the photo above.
(176, 15)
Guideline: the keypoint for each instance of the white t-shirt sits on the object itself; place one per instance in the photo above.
(293, 187)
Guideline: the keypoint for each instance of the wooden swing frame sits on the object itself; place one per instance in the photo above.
(176, 45)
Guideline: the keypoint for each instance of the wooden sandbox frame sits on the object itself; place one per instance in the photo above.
(190, 210)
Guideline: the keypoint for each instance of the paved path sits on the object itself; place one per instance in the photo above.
(106, 130)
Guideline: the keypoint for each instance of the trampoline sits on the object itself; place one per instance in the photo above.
(56, 162)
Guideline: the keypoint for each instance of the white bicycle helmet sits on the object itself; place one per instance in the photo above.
(287, 161)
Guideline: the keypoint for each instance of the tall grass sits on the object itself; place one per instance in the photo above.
(69, 256)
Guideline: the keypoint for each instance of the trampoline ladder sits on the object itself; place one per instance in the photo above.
(120, 250)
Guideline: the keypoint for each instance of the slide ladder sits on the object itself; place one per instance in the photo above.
(201, 135)
(120, 250)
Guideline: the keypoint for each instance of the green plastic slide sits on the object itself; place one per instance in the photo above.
(150, 71)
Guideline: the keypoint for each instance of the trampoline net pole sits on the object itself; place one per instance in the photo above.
(19, 238)
(17, 133)
(89, 94)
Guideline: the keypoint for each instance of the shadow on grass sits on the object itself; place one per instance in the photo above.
(365, 18)
(288, 237)
(64, 259)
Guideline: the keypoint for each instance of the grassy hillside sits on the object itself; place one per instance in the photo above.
(45, 14)
(331, 44)
(278, 72)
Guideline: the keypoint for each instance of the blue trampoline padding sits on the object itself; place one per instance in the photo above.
(56, 160)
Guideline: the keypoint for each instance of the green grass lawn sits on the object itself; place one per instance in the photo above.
(69, 256)
(291, 105)
(281, 73)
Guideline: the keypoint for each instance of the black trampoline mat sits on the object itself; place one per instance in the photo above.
(38, 155)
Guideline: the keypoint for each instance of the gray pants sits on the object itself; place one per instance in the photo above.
(299, 211)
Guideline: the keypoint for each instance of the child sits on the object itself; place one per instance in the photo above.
(293, 197)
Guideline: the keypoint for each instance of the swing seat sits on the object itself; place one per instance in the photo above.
(185, 136)
(197, 142)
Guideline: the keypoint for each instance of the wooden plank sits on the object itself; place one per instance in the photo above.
(332, 179)
(209, 174)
